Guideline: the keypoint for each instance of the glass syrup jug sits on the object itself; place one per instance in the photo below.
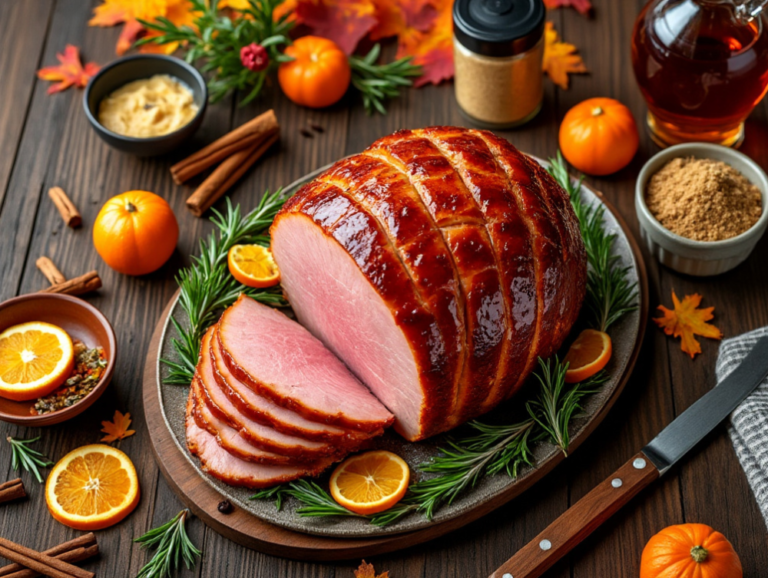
(702, 66)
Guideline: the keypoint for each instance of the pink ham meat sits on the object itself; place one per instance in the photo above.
(223, 466)
(256, 434)
(283, 362)
(352, 247)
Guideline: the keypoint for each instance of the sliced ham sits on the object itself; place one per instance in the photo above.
(222, 465)
(255, 433)
(282, 361)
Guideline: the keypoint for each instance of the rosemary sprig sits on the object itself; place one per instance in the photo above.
(24, 456)
(207, 287)
(378, 82)
(316, 502)
(216, 40)
(556, 404)
(610, 295)
(173, 545)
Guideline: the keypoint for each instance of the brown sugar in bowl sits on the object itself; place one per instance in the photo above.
(80, 320)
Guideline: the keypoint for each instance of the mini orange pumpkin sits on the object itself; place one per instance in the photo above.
(599, 136)
(135, 232)
(690, 550)
(319, 74)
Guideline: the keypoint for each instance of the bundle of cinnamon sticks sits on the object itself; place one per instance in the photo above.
(236, 152)
(55, 562)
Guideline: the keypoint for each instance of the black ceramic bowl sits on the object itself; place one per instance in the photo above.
(131, 68)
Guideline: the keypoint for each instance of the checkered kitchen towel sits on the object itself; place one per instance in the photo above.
(749, 422)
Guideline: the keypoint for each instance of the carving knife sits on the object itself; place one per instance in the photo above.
(653, 461)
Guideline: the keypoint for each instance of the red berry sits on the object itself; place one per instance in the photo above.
(254, 57)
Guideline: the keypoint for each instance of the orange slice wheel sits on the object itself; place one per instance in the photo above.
(589, 354)
(35, 359)
(371, 482)
(253, 266)
(92, 487)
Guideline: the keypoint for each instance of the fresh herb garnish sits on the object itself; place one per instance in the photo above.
(610, 295)
(216, 39)
(378, 82)
(27, 458)
(207, 286)
(316, 502)
(173, 545)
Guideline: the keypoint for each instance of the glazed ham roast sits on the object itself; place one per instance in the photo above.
(435, 268)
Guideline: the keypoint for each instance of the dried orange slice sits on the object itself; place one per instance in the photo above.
(588, 354)
(92, 487)
(253, 266)
(371, 482)
(35, 359)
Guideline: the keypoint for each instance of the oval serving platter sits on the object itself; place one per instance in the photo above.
(491, 491)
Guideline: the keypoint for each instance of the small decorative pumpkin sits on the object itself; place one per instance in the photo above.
(318, 76)
(689, 551)
(599, 136)
(135, 232)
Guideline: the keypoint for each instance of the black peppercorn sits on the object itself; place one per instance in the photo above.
(305, 133)
(225, 507)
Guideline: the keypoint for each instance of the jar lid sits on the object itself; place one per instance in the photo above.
(498, 27)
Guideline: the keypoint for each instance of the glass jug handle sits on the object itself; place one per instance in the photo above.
(750, 9)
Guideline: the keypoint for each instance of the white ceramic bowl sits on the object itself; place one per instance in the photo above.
(700, 258)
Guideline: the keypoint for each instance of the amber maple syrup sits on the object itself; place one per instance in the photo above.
(700, 68)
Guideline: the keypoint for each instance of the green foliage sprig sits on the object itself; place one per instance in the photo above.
(207, 286)
(378, 82)
(173, 545)
(218, 39)
(610, 295)
(25, 457)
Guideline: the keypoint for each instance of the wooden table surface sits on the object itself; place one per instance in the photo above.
(46, 141)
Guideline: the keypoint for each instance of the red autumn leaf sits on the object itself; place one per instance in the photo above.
(432, 50)
(131, 31)
(395, 16)
(343, 21)
(583, 6)
(70, 72)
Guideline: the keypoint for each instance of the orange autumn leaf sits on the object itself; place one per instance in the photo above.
(432, 50)
(367, 571)
(583, 6)
(345, 22)
(560, 58)
(687, 320)
(70, 71)
(395, 16)
(117, 429)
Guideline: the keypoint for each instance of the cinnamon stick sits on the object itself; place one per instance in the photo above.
(85, 541)
(50, 270)
(77, 286)
(241, 138)
(12, 490)
(39, 562)
(66, 207)
(226, 175)
(77, 555)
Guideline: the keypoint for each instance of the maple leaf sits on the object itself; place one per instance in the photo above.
(131, 31)
(367, 571)
(432, 50)
(343, 21)
(583, 6)
(560, 58)
(70, 72)
(687, 320)
(117, 429)
(395, 16)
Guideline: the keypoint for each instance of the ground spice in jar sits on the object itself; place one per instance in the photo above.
(703, 199)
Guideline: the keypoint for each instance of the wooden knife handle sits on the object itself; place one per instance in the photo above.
(580, 520)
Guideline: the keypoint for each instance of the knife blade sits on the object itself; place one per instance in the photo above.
(655, 459)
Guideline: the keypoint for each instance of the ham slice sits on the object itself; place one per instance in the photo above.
(282, 361)
(223, 466)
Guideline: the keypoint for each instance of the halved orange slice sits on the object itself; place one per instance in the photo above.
(92, 487)
(35, 359)
(253, 266)
(588, 354)
(371, 482)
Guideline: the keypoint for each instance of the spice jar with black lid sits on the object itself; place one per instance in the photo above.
(498, 48)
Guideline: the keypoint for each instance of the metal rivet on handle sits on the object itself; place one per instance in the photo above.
(507, 575)
(616, 482)
(639, 463)
(545, 545)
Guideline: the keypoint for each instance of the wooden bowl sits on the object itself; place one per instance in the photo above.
(81, 321)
